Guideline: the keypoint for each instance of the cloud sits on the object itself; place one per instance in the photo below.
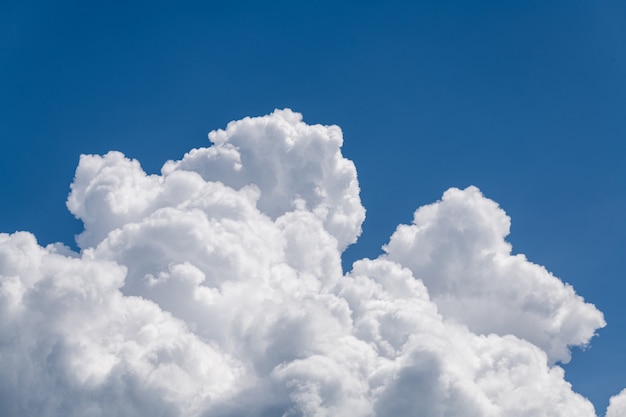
(617, 405)
(216, 289)
(457, 247)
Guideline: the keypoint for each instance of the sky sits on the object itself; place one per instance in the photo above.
(523, 100)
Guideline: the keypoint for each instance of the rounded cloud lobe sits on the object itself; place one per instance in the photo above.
(216, 289)
(457, 248)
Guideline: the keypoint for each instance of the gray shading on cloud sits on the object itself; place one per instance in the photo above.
(216, 289)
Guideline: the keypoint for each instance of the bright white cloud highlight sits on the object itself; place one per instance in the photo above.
(216, 289)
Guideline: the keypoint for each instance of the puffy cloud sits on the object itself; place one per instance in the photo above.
(457, 247)
(73, 345)
(440, 368)
(216, 289)
(293, 163)
(617, 405)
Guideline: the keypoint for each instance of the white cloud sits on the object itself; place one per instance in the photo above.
(216, 289)
(73, 345)
(617, 405)
(457, 247)
(294, 164)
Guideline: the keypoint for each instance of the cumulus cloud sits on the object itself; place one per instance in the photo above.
(216, 289)
(457, 247)
(617, 405)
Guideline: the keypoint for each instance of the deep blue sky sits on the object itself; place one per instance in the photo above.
(525, 99)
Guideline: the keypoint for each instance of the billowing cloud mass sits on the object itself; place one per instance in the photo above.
(216, 289)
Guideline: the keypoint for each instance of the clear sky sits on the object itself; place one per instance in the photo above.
(524, 99)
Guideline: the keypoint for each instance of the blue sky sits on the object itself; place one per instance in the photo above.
(525, 100)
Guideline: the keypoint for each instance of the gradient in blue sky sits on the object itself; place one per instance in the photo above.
(525, 100)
